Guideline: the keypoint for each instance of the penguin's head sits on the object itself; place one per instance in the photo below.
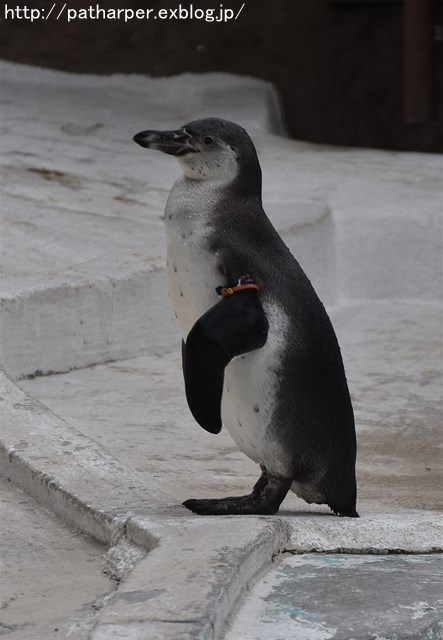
(209, 149)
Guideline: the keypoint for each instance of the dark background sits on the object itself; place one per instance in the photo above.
(339, 66)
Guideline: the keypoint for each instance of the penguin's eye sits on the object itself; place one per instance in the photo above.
(208, 140)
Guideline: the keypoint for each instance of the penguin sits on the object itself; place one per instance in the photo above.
(259, 353)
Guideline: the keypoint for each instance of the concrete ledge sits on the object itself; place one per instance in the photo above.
(76, 325)
(386, 209)
(209, 577)
(114, 308)
(416, 532)
(66, 471)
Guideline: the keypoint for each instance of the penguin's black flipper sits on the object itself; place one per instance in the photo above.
(234, 326)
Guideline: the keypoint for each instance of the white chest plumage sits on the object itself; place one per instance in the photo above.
(192, 275)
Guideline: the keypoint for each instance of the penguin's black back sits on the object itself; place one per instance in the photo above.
(313, 412)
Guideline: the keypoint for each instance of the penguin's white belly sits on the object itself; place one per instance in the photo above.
(249, 397)
(251, 381)
(192, 278)
(192, 273)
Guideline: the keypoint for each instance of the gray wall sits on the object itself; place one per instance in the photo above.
(338, 66)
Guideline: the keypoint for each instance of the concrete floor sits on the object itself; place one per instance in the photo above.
(53, 579)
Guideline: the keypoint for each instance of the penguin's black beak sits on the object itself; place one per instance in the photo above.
(176, 143)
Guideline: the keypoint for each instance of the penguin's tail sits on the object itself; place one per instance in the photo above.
(341, 492)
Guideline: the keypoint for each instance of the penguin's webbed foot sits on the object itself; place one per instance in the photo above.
(265, 499)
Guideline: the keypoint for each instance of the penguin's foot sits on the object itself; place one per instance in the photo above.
(265, 499)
